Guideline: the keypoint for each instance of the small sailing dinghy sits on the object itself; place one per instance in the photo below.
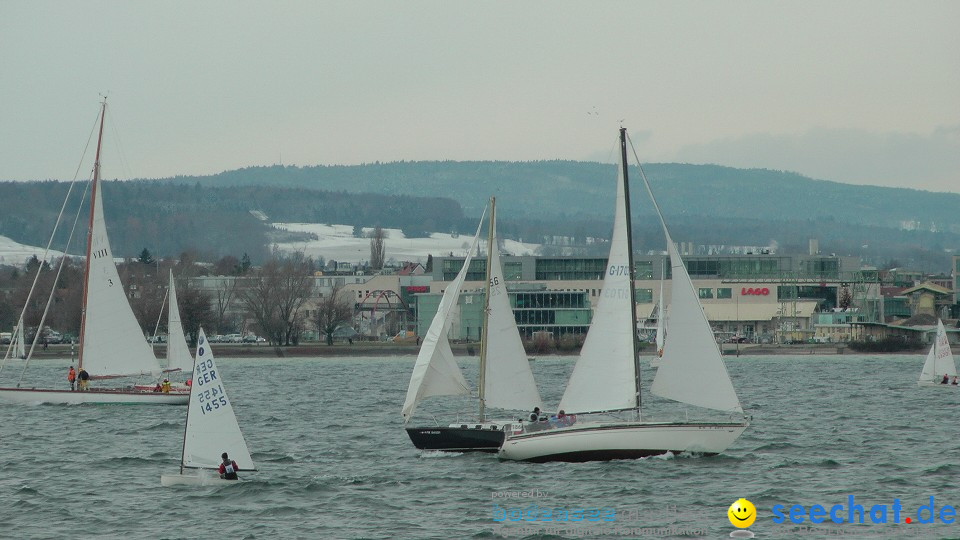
(112, 344)
(211, 427)
(178, 357)
(606, 378)
(939, 362)
(661, 327)
(505, 379)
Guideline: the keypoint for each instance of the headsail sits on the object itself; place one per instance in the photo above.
(19, 340)
(212, 427)
(178, 355)
(508, 381)
(436, 372)
(604, 378)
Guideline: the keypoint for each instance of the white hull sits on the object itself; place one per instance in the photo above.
(167, 480)
(655, 362)
(936, 384)
(588, 441)
(99, 396)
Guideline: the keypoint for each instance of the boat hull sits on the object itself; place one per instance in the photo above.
(98, 396)
(459, 438)
(931, 384)
(168, 480)
(620, 440)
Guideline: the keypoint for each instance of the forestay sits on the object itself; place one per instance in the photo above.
(212, 427)
(508, 381)
(436, 372)
(604, 378)
(178, 355)
(113, 342)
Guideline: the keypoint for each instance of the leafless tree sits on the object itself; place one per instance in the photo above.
(377, 250)
(275, 295)
(332, 311)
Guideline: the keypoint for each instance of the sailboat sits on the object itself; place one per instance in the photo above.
(606, 378)
(939, 361)
(112, 343)
(211, 427)
(505, 380)
(19, 349)
(178, 357)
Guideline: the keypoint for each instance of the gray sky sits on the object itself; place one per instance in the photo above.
(853, 91)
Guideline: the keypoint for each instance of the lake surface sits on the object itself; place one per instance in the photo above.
(335, 462)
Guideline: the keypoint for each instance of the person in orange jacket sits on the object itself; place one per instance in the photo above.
(71, 377)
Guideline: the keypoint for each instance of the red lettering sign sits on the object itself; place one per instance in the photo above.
(417, 289)
(750, 291)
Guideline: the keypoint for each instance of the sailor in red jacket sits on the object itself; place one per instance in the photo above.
(229, 468)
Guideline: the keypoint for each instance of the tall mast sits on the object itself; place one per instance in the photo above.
(486, 308)
(95, 184)
(633, 295)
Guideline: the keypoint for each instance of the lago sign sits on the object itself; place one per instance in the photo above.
(750, 291)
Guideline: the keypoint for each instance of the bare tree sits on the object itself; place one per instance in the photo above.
(224, 297)
(275, 295)
(195, 311)
(377, 250)
(332, 311)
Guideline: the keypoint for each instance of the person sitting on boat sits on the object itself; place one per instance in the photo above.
(84, 379)
(954, 381)
(71, 377)
(228, 469)
(165, 387)
(188, 382)
(562, 418)
(157, 388)
(946, 379)
(535, 415)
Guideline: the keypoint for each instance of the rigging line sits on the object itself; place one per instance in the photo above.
(46, 251)
(124, 164)
(53, 290)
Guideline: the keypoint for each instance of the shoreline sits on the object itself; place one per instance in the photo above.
(314, 350)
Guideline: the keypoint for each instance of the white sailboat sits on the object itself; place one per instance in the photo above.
(178, 354)
(19, 348)
(606, 376)
(505, 380)
(939, 363)
(210, 429)
(111, 340)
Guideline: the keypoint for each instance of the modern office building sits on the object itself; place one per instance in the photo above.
(762, 297)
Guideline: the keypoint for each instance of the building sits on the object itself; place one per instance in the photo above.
(762, 297)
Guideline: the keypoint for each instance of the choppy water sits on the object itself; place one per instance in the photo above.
(335, 462)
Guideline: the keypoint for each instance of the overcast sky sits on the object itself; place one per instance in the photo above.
(854, 91)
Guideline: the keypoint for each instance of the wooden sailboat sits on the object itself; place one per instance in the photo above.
(111, 341)
(606, 378)
(939, 363)
(210, 429)
(505, 379)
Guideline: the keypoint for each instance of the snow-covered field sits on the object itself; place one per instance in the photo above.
(337, 242)
(16, 254)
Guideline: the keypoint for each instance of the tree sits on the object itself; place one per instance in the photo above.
(195, 311)
(377, 250)
(332, 311)
(244, 265)
(275, 295)
(145, 257)
(845, 298)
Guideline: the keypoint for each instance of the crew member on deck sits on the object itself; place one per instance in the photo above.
(84, 379)
(71, 377)
(165, 387)
(229, 468)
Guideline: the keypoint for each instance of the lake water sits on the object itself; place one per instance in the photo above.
(335, 462)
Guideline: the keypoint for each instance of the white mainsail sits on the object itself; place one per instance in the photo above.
(692, 370)
(436, 372)
(212, 427)
(508, 381)
(113, 342)
(939, 359)
(604, 378)
(178, 355)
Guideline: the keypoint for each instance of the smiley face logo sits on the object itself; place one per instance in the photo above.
(742, 513)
